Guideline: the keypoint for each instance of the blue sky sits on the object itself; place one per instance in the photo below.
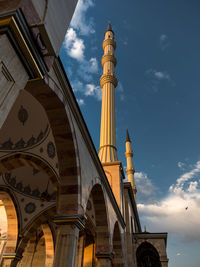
(157, 99)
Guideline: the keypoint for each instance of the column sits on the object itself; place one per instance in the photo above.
(67, 240)
(104, 259)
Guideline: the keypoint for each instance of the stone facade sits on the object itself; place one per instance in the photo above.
(63, 206)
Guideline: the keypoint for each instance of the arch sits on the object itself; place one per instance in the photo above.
(39, 250)
(49, 245)
(12, 222)
(147, 256)
(38, 222)
(117, 247)
(101, 218)
(53, 101)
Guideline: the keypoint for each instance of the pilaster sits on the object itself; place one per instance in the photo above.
(67, 239)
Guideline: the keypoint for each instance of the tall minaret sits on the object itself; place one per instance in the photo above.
(130, 169)
(108, 82)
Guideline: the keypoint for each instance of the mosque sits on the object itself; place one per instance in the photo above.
(61, 203)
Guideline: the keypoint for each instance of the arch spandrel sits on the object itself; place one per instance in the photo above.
(33, 192)
(27, 132)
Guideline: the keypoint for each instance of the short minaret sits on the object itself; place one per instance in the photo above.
(130, 169)
(108, 82)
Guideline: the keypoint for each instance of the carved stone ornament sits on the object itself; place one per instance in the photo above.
(51, 151)
(22, 144)
(22, 115)
(30, 207)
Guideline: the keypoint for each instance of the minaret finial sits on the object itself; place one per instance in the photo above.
(108, 82)
(130, 169)
(109, 28)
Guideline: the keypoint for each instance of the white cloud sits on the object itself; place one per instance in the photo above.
(181, 165)
(185, 177)
(93, 90)
(157, 79)
(164, 41)
(77, 86)
(120, 90)
(80, 101)
(87, 89)
(162, 75)
(163, 37)
(179, 210)
(120, 87)
(74, 45)
(193, 187)
(82, 25)
(159, 75)
(79, 21)
(145, 189)
(87, 68)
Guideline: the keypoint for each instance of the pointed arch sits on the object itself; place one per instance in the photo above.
(118, 260)
(102, 228)
(147, 255)
(49, 245)
(40, 221)
(39, 250)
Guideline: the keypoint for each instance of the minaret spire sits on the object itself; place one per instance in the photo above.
(130, 169)
(109, 28)
(108, 82)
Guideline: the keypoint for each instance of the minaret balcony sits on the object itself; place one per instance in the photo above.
(109, 42)
(108, 78)
(130, 171)
(129, 154)
(107, 58)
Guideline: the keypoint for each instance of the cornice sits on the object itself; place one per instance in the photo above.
(17, 30)
(147, 235)
(109, 42)
(77, 220)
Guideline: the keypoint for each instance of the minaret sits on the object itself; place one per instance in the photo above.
(130, 169)
(108, 82)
